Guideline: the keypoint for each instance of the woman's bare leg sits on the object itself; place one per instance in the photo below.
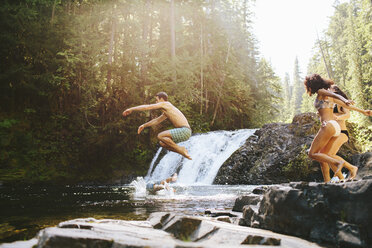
(353, 169)
(332, 147)
(320, 141)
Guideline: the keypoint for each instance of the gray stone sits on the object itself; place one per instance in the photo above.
(248, 212)
(224, 218)
(259, 240)
(180, 231)
(182, 227)
(160, 219)
(348, 235)
(364, 161)
(337, 214)
(260, 190)
(251, 199)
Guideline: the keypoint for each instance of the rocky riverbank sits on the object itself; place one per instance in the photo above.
(277, 153)
(297, 214)
(336, 215)
(160, 230)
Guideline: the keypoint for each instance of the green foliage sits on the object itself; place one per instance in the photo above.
(70, 68)
(361, 135)
(299, 167)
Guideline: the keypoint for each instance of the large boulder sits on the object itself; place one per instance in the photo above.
(337, 214)
(277, 153)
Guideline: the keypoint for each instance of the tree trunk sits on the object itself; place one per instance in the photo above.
(173, 40)
(222, 79)
(145, 34)
(172, 30)
(324, 59)
(53, 10)
(201, 70)
(110, 54)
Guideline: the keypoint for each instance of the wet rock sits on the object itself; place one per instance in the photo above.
(348, 235)
(217, 213)
(260, 190)
(183, 228)
(251, 199)
(331, 214)
(159, 219)
(364, 161)
(248, 212)
(224, 219)
(259, 240)
(277, 153)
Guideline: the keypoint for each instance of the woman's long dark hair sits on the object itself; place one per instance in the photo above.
(315, 82)
(337, 90)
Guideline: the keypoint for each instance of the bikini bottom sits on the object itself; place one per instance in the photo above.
(336, 126)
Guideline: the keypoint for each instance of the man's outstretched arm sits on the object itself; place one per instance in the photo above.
(143, 108)
(152, 122)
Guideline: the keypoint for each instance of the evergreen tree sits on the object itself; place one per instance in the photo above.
(298, 90)
(286, 108)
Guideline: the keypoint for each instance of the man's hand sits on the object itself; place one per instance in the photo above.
(140, 128)
(368, 112)
(127, 112)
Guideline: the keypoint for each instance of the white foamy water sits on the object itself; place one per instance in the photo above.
(208, 151)
(152, 163)
(139, 187)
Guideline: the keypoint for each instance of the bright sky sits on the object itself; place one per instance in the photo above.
(288, 28)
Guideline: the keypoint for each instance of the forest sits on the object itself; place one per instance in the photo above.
(70, 67)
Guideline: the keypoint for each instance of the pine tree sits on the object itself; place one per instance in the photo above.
(298, 90)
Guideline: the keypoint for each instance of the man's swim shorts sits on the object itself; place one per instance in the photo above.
(180, 134)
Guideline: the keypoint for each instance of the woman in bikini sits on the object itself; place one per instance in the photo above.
(329, 129)
(341, 113)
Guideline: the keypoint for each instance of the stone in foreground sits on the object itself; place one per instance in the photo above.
(173, 231)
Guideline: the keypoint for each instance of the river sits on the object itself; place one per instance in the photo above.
(26, 210)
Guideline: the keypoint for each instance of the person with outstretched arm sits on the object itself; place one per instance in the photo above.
(169, 138)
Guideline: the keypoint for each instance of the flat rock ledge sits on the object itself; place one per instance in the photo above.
(332, 214)
(162, 229)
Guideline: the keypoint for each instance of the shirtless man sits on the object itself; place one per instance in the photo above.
(168, 138)
(156, 186)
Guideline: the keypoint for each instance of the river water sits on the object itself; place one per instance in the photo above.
(26, 210)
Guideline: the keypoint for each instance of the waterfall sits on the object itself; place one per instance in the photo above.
(152, 163)
(208, 152)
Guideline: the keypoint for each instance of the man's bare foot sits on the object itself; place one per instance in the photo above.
(353, 172)
(185, 153)
(339, 167)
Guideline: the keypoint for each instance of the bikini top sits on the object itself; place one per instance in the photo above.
(321, 104)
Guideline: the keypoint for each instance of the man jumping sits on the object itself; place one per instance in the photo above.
(168, 138)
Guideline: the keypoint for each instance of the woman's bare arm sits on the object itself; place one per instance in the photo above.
(324, 92)
(365, 112)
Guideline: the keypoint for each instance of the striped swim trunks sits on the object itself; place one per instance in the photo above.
(180, 134)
